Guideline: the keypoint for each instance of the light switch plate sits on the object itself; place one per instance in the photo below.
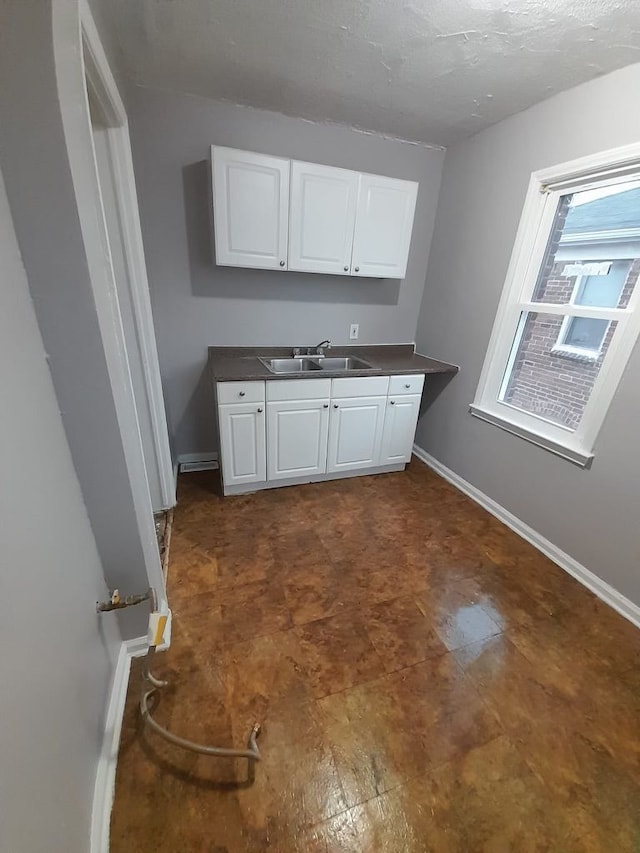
(354, 331)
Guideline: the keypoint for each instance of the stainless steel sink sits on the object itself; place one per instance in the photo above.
(290, 365)
(348, 363)
(311, 364)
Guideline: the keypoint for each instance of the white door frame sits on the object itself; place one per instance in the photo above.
(71, 24)
(103, 88)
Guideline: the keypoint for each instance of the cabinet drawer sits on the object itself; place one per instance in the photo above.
(240, 392)
(359, 386)
(299, 389)
(406, 384)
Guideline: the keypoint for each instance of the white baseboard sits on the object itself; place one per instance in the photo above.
(106, 773)
(197, 461)
(586, 577)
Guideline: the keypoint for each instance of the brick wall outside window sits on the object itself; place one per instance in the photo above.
(554, 384)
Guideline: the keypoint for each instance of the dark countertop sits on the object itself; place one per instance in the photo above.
(229, 364)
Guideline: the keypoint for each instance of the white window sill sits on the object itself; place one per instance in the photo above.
(583, 356)
(567, 450)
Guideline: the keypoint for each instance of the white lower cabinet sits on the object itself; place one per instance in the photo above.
(243, 443)
(355, 433)
(305, 429)
(400, 423)
(297, 432)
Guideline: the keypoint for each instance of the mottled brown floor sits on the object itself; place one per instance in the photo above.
(425, 680)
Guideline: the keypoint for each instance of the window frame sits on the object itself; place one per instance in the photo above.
(546, 186)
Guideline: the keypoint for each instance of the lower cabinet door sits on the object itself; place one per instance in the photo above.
(243, 443)
(355, 433)
(297, 432)
(400, 422)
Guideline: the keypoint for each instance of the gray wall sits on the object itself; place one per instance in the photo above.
(196, 304)
(35, 162)
(590, 514)
(57, 655)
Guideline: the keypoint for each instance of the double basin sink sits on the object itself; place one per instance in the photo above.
(313, 364)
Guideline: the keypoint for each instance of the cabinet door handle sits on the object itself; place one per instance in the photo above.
(281, 263)
(241, 394)
(335, 405)
(259, 410)
(357, 269)
(325, 405)
(393, 402)
(346, 269)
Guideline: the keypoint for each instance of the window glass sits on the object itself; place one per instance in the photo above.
(588, 243)
(585, 333)
(540, 381)
(603, 291)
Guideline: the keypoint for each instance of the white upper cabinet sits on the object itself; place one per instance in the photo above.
(384, 222)
(250, 208)
(274, 213)
(321, 218)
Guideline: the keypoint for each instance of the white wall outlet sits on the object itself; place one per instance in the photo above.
(354, 331)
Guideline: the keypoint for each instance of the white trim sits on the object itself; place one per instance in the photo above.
(539, 212)
(127, 201)
(605, 592)
(587, 237)
(104, 788)
(136, 647)
(104, 89)
(74, 107)
(587, 356)
(613, 160)
(624, 606)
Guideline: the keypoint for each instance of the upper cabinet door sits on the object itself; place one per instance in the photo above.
(384, 222)
(321, 219)
(250, 208)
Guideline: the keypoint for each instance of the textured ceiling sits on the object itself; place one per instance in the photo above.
(428, 70)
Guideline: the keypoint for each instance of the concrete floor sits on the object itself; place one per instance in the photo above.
(425, 681)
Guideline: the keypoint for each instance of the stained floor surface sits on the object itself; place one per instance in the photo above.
(425, 680)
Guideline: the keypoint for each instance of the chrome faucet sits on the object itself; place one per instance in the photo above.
(317, 350)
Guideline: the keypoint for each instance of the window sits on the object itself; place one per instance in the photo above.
(567, 321)
(597, 284)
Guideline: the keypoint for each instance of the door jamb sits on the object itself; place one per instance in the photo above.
(104, 90)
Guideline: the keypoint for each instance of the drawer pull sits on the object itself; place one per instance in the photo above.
(241, 394)
(393, 402)
(407, 385)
